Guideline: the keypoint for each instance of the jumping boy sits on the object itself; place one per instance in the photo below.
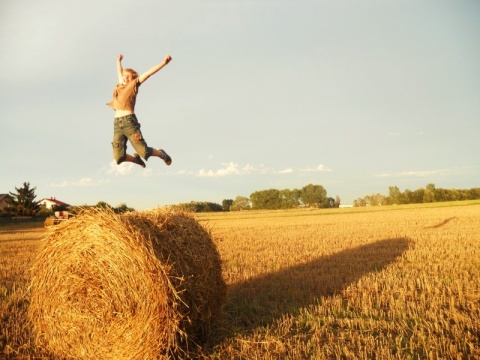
(126, 126)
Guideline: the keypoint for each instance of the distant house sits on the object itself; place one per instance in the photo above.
(49, 203)
(3, 201)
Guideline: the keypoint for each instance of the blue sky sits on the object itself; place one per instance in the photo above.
(356, 96)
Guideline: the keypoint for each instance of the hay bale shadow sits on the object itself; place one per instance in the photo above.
(260, 301)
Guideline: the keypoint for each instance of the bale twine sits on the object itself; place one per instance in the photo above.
(132, 286)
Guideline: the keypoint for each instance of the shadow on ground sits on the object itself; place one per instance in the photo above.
(260, 301)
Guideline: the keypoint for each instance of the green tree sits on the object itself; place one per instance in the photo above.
(23, 201)
(441, 195)
(394, 195)
(371, 200)
(474, 194)
(290, 198)
(314, 195)
(59, 208)
(240, 203)
(359, 202)
(207, 206)
(199, 206)
(330, 202)
(226, 204)
(408, 197)
(103, 205)
(123, 208)
(337, 202)
(418, 195)
(429, 195)
(266, 199)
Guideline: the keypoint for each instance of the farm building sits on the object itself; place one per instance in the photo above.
(49, 203)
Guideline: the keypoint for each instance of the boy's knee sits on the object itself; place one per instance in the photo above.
(141, 147)
(148, 153)
(120, 160)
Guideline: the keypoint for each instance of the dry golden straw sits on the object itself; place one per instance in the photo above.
(136, 286)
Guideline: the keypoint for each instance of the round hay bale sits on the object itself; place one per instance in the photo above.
(137, 285)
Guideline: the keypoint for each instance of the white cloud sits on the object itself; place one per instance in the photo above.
(233, 168)
(264, 170)
(89, 182)
(412, 173)
(248, 169)
(421, 173)
(83, 182)
(147, 172)
(124, 168)
(64, 183)
(229, 169)
(183, 172)
(319, 168)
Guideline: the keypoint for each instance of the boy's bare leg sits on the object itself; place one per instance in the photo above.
(136, 159)
(162, 155)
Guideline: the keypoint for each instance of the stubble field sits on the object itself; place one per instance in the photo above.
(373, 283)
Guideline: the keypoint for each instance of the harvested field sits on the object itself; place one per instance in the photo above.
(388, 283)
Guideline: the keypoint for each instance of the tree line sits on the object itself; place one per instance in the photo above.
(427, 194)
(272, 199)
(23, 203)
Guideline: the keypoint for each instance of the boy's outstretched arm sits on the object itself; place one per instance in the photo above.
(154, 69)
(120, 68)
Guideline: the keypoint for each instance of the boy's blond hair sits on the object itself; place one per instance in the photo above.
(133, 72)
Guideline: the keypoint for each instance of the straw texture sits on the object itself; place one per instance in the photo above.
(138, 286)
